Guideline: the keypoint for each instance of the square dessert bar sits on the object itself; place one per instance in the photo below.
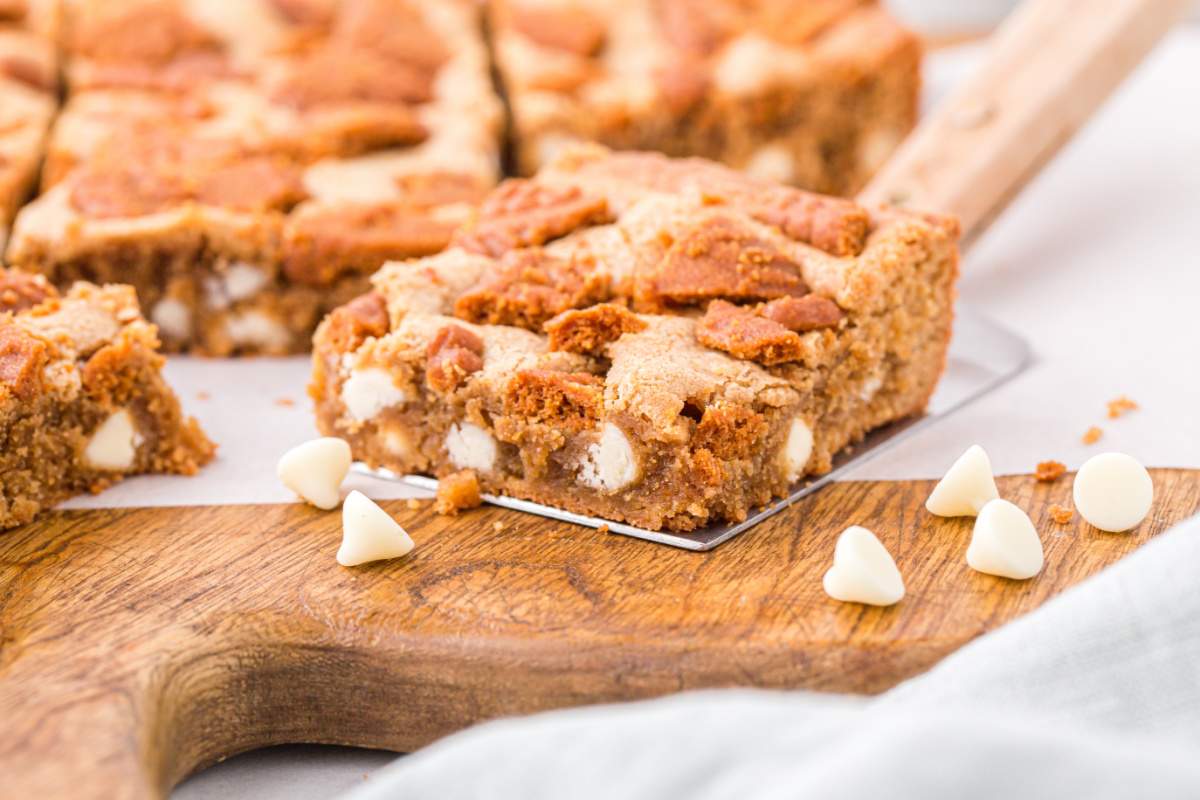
(246, 166)
(28, 99)
(814, 93)
(664, 342)
(82, 399)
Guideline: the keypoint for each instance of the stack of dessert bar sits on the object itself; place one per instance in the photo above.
(245, 166)
(815, 94)
(665, 342)
(28, 97)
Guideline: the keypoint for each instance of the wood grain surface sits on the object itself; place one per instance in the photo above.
(137, 645)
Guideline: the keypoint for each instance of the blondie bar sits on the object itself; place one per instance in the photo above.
(815, 94)
(246, 166)
(82, 399)
(28, 99)
(665, 342)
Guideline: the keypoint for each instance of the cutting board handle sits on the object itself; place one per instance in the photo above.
(1050, 65)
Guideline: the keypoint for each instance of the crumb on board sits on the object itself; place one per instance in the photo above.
(1061, 514)
(285, 402)
(458, 491)
(603, 529)
(413, 503)
(1049, 471)
(1092, 435)
(1118, 407)
(498, 526)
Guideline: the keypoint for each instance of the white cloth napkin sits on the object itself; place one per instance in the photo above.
(1096, 694)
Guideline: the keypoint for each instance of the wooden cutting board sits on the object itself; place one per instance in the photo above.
(137, 645)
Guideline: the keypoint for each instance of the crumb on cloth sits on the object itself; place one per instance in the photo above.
(1049, 471)
(1092, 435)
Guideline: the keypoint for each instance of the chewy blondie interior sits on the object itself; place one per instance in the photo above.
(664, 342)
(246, 165)
(815, 94)
(82, 399)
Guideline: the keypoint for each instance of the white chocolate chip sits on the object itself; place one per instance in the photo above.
(966, 488)
(173, 318)
(242, 280)
(238, 281)
(114, 444)
(471, 447)
(1113, 492)
(610, 463)
(369, 533)
(797, 449)
(397, 442)
(1005, 543)
(863, 570)
(869, 388)
(772, 162)
(315, 470)
(368, 391)
(257, 329)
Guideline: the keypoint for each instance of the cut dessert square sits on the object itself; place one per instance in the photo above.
(664, 342)
(250, 164)
(28, 99)
(815, 94)
(82, 399)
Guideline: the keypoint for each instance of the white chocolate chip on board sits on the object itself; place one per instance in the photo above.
(1005, 543)
(369, 391)
(113, 445)
(966, 487)
(369, 533)
(471, 447)
(610, 463)
(863, 570)
(1113, 492)
(315, 470)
